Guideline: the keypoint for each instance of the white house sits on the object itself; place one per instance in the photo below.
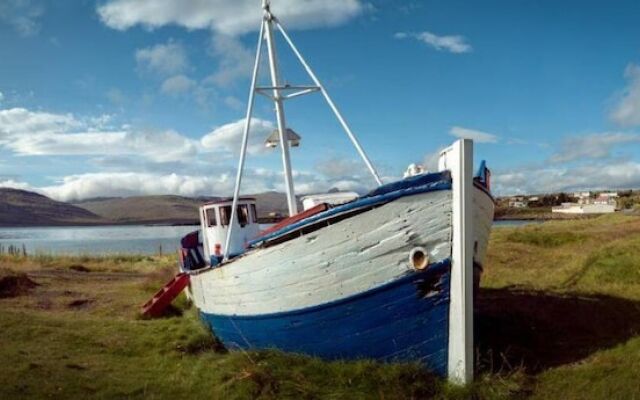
(582, 195)
(575, 208)
(605, 198)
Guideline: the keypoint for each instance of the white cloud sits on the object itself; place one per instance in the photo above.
(345, 174)
(593, 146)
(155, 146)
(163, 59)
(83, 186)
(21, 15)
(339, 167)
(234, 60)
(553, 179)
(12, 184)
(226, 17)
(627, 110)
(430, 161)
(475, 135)
(454, 44)
(39, 133)
(606, 176)
(141, 162)
(177, 84)
(228, 138)
(204, 96)
(17, 121)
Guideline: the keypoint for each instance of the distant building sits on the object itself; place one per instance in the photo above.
(577, 208)
(517, 202)
(582, 195)
(606, 199)
(533, 201)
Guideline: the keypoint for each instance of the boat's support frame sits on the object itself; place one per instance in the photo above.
(280, 93)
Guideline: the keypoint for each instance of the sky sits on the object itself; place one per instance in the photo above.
(136, 97)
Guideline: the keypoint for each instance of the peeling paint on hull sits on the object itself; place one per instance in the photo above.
(347, 290)
(399, 321)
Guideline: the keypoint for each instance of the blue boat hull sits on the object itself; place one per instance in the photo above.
(404, 320)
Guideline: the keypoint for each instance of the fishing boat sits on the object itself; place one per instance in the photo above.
(389, 275)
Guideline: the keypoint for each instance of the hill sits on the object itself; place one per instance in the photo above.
(23, 208)
(272, 202)
(145, 209)
(168, 209)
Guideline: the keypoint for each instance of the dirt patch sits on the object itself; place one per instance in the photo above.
(79, 268)
(44, 303)
(15, 284)
(76, 367)
(80, 303)
(64, 273)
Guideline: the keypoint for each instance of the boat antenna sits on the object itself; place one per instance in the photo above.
(278, 93)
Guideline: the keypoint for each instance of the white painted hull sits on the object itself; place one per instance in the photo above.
(341, 260)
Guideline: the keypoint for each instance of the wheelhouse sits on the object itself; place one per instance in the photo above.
(215, 221)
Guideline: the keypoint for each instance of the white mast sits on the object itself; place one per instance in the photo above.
(278, 93)
(245, 140)
(279, 106)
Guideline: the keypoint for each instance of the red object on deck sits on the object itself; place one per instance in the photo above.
(161, 300)
(295, 218)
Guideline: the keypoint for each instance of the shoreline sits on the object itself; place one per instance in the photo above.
(123, 224)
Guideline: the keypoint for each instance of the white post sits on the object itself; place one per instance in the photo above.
(243, 148)
(333, 107)
(278, 100)
(460, 363)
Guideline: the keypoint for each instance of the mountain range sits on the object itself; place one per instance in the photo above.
(24, 208)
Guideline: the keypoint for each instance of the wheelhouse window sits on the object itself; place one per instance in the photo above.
(225, 215)
(243, 214)
(211, 217)
(254, 214)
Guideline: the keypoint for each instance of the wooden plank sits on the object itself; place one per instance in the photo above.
(161, 300)
(460, 363)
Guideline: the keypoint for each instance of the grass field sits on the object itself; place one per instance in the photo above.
(559, 318)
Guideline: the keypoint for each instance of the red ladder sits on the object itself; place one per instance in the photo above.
(161, 300)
